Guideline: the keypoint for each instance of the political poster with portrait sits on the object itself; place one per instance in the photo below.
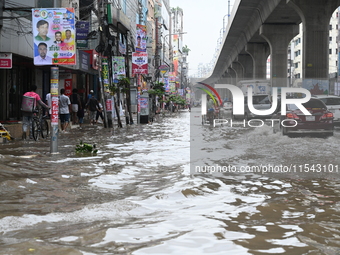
(54, 36)
(139, 63)
(140, 38)
(118, 67)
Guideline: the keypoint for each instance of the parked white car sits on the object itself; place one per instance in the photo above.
(333, 105)
(227, 109)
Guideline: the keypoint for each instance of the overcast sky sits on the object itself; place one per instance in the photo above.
(203, 21)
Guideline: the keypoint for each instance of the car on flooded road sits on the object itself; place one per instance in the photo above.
(260, 102)
(320, 122)
(333, 105)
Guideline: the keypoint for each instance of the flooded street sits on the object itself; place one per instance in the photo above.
(143, 194)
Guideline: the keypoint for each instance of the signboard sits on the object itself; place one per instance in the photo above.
(54, 36)
(139, 63)
(5, 60)
(82, 28)
(84, 59)
(163, 69)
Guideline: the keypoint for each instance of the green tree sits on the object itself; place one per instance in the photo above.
(176, 99)
(158, 90)
(185, 50)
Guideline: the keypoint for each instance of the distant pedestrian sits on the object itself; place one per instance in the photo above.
(91, 94)
(81, 113)
(99, 112)
(92, 105)
(48, 99)
(64, 110)
(75, 105)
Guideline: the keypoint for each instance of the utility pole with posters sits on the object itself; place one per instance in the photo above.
(54, 45)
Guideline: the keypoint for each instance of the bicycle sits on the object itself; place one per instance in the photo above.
(40, 125)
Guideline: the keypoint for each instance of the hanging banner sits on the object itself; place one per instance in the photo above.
(140, 38)
(53, 36)
(139, 63)
(118, 67)
(175, 62)
(122, 48)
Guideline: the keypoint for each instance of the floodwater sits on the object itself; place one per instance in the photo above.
(141, 195)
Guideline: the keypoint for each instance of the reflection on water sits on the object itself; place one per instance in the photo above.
(137, 196)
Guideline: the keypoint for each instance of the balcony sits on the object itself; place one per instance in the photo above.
(118, 17)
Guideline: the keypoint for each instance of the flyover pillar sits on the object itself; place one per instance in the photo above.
(246, 61)
(278, 36)
(315, 15)
(259, 52)
(224, 93)
(239, 70)
(233, 76)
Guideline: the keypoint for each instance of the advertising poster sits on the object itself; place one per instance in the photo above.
(68, 87)
(144, 105)
(54, 36)
(55, 111)
(139, 63)
(140, 38)
(316, 87)
(166, 84)
(109, 105)
(118, 67)
(105, 74)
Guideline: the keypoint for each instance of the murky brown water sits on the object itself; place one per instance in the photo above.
(137, 196)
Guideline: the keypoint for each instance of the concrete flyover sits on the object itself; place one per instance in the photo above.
(259, 28)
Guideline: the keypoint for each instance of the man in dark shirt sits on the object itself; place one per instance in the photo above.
(92, 104)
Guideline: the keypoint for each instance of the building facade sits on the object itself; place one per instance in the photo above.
(108, 29)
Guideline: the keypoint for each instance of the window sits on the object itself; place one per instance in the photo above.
(330, 38)
(330, 26)
(330, 51)
(331, 101)
(297, 41)
(297, 53)
(296, 65)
